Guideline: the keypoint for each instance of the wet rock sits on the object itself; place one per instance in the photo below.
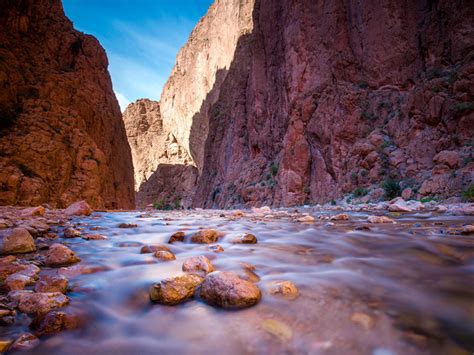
(33, 211)
(363, 227)
(80, 269)
(198, 265)
(287, 289)
(205, 236)
(17, 281)
(5, 223)
(94, 237)
(175, 290)
(176, 237)
(80, 208)
(38, 302)
(306, 219)
(399, 205)
(4, 345)
(128, 225)
(128, 244)
(215, 248)
(71, 233)
(246, 238)
(261, 210)
(35, 227)
(278, 329)
(17, 241)
(227, 290)
(31, 271)
(8, 266)
(469, 229)
(57, 320)
(147, 249)
(7, 316)
(60, 255)
(340, 217)
(52, 283)
(248, 273)
(379, 219)
(164, 255)
(364, 320)
(26, 341)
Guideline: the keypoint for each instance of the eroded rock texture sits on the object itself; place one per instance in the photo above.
(289, 102)
(164, 171)
(62, 138)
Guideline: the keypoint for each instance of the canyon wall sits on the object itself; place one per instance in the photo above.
(164, 171)
(62, 137)
(323, 97)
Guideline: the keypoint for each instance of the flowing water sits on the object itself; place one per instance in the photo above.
(410, 285)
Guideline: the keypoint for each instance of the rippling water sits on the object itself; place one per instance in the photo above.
(414, 280)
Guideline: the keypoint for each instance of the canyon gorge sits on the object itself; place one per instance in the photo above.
(304, 185)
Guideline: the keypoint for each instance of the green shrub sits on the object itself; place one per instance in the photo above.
(468, 194)
(428, 199)
(333, 202)
(360, 191)
(392, 189)
(274, 168)
(159, 205)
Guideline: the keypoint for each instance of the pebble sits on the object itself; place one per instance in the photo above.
(94, 237)
(128, 225)
(286, 289)
(278, 329)
(215, 248)
(364, 320)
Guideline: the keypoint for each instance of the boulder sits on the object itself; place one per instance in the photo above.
(17, 241)
(205, 236)
(164, 255)
(175, 290)
(447, 157)
(60, 255)
(71, 233)
(246, 238)
(148, 249)
(227, 290)
(52, 283)
(80, 208)
(33, 211)
(198, 265)
(176, 237)
(37, 302)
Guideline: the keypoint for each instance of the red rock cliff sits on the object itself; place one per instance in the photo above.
(62, 137)
(322, 97)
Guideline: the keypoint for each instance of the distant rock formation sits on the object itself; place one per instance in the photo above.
(293, 102)
(164, 171)
(62, 138)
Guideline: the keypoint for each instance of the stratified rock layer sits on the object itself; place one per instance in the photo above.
(164, 171)
(62, 138)
(319, 98)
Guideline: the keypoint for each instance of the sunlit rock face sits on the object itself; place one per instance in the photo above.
(62, 138)
(164, 171)
(292, 102)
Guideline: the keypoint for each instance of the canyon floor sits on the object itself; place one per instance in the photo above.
(354, 286)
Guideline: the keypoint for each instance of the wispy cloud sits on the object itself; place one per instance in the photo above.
(123, 101)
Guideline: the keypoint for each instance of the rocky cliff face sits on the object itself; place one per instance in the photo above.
(310, 100)
(61, 134)
(164, 173)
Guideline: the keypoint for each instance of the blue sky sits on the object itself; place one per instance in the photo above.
(141, 37)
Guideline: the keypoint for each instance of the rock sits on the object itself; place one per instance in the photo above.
(227, 290)
(39, 302)
(128, 225)
(80, 208)
(17, 281)
(164, 255)
(4, 345)
(26, 341)
(261, 210)
(60, 255)
(35, 227)
(306, 219)
(175, 290)
(340, 217)
(205, 236)
(57, 320)
(31, 271)
(399, 205)
(58, 147)
(94, 237)
(447, 157)
(128, 244)
(215, 248)
(147, 249)
(176, 237)
(199, 265)
(33, 211)
(52, 283)
(17, 241)
(246, 238)
(469, 229)
(278, 329)
(364, 320)
(407, 193)
(7, 316)
(379, 219)
(71, 233)
(287, 289)
(5, 223)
